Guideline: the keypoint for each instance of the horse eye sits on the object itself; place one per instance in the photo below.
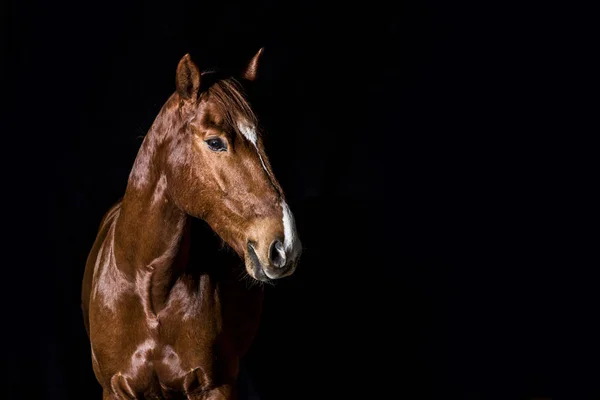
(216, 144)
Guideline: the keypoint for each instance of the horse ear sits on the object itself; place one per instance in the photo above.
(188, 78)
(251, 69)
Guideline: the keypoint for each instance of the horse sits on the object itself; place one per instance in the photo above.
(161, 322)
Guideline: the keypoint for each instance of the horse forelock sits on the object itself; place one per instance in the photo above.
(231, 103)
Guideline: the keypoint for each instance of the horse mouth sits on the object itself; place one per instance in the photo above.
(254, 265)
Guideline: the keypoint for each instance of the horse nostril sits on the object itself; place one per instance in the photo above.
(277, 254)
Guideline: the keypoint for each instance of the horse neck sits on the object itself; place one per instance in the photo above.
(150, 228)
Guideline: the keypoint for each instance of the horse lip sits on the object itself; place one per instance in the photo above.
(259, 272)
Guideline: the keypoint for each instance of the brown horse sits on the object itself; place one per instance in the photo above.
(161, 324)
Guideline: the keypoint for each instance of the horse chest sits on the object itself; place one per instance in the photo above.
(179, 353)
(156, 370)
(190, 344)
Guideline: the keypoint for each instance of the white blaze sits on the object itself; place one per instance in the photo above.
(249, 133)
(289, 225)
(289, 230)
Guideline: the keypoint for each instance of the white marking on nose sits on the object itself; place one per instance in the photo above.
(290, 240)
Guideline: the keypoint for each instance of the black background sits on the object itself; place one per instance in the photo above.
(424, 153)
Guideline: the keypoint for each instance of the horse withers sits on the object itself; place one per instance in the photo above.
(163, 324)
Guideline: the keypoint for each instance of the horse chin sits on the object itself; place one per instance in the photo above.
(258, 274)
(254, 267)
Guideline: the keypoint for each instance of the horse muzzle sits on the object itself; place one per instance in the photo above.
(275, 262)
